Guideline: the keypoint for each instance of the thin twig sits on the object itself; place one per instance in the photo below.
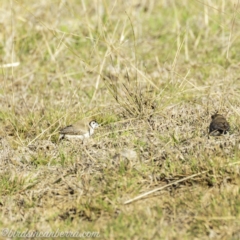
(162, 187)
(170, 184)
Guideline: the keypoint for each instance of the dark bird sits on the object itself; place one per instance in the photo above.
(218, 125)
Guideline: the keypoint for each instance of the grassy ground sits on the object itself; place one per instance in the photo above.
(152, 73)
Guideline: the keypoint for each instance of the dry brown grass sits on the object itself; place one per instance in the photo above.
(152, 73)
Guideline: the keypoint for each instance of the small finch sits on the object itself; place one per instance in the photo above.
(218, 125)
(80, 130)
